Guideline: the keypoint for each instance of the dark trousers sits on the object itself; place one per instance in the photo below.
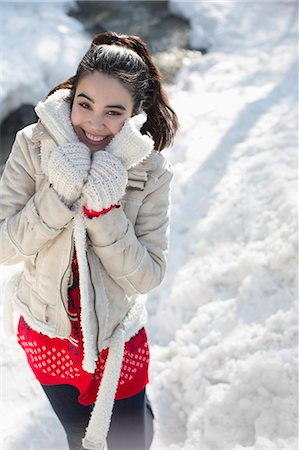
(131, 426)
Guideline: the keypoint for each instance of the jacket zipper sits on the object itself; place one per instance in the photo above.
(64, 300)
(94, 296)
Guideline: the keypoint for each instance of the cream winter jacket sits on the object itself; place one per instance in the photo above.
(125, 253)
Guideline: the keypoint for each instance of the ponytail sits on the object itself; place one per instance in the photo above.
(162, 122)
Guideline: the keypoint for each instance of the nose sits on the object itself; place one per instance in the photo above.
(97, 123)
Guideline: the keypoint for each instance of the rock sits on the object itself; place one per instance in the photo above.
(14, 122)
(151, 20)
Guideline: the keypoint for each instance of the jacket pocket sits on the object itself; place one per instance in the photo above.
(29, 303)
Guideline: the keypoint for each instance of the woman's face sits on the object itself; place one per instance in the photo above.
(100, 107)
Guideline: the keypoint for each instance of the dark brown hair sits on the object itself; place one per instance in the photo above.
(127, 59)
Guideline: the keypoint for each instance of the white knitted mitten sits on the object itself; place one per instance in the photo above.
(106, 182)
(129, 145)
(68, 169)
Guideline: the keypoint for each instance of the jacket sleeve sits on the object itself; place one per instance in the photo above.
(135, 257)
(28, 219)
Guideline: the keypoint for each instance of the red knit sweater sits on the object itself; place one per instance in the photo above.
(59, 361)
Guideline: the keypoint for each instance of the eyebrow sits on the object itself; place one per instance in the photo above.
(119, 106)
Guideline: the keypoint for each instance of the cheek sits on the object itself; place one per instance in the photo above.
(76, 118)
(117, 125)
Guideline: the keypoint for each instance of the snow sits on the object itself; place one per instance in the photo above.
(223, 324)
(40, 47)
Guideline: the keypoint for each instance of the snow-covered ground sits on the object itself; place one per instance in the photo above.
(223, 323)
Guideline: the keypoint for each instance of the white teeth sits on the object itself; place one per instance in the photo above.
(94, 138)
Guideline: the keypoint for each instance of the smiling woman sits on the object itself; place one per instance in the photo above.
(85, 206)
(100, 107)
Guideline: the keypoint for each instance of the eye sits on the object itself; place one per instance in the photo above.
(113, 113)
(85, 105)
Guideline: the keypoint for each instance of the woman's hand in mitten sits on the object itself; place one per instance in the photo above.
(68, 170)
(106, 182)
(129, 145)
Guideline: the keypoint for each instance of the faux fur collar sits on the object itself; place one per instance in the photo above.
(54, 127)
(55, 115)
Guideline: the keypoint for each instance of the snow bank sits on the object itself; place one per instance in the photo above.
(224, 322)
(40, 47)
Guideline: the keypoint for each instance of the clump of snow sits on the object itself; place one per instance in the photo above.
(40, 47)
(205, 19)
(223, 324)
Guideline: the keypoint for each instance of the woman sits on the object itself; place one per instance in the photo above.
(85, 206)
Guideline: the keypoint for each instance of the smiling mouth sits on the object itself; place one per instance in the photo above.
(94, 138)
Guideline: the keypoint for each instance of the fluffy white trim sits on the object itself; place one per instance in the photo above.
(90, 355)
(55, 114)
(34, 323)
(98, 426)
(47, 146)
(135, 319)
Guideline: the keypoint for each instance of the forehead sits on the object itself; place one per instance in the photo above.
(103, 88)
